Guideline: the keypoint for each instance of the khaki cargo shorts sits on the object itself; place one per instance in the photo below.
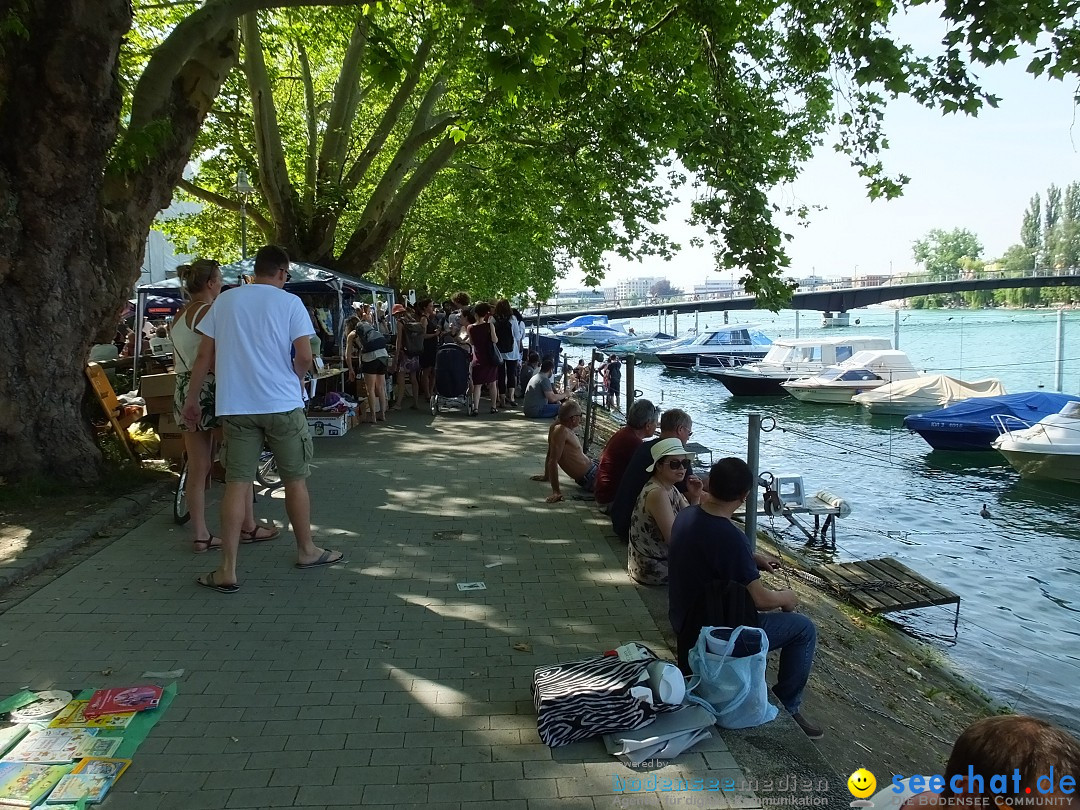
(286, 434)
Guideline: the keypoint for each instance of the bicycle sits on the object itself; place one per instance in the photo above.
(266, 474)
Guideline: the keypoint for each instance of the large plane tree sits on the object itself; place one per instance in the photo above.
(98, 120)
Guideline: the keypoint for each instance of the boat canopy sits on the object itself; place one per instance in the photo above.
(977, 413)
(929, 391)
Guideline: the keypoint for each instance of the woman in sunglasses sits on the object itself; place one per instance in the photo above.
(657, 505)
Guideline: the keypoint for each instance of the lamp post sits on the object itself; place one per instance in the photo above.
(244, 189)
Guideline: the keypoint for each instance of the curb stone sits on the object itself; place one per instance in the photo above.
(123, 508)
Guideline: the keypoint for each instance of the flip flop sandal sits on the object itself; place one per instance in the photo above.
(207, 581)
(325, 559)
(203, 546)
(247, 538)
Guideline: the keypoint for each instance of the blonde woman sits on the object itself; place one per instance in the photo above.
(202, 284)
(655, 511)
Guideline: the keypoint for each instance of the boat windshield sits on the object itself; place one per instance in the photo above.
(759, 338)
(779, 353)
(733, 337)
(806, 354)
(848, 375)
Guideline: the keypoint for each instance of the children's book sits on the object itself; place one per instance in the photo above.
(110, 767)
(24, 785)
(55, 746)
(77, 786)
(11, 735)
(123, 699)
(73, 717)
(99, 747)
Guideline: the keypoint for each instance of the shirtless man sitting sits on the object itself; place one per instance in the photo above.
(564, 451)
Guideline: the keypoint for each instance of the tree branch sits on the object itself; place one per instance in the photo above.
(274, 179)
(343, 105)
(228, 203)
(310, 161)
(391, 114)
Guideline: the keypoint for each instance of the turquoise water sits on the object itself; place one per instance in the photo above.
(1017, 572)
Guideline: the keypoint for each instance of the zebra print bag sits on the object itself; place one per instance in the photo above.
(581, 699)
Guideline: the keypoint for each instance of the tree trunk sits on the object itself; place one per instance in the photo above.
(59, 107)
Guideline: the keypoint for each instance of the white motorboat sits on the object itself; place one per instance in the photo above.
(580, 320)
(792, 359)
(863, 371)
(594, 334)
(926, 393)
(1048, 449)
(722, 346)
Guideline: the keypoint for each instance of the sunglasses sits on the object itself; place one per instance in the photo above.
(677, 463)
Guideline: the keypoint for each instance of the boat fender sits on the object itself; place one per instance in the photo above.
(835, 501)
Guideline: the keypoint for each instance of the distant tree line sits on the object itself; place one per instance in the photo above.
(1049, 243)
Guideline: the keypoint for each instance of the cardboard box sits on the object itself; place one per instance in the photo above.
(159, 405)
(328, 423)
(172, 447)
(167, 425)
(157, 385)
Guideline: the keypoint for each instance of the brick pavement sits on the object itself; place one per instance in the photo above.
(376, 683)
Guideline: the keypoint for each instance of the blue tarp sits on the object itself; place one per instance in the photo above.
(970, 425)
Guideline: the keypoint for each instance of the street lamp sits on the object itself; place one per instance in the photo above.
(244, 189)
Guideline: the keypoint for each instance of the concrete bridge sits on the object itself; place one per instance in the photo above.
(827, 300)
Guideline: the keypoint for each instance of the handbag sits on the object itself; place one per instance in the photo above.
(577, 700)
(731, 686)
(497, 357)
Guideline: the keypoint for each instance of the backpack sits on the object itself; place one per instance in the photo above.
(371, 340)
(504, 334)
(414, 337)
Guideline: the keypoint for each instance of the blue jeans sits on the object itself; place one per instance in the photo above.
(796, 637)
(548, 410)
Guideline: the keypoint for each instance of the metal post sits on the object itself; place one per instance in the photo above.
(697, 316)
(631, 361)
(896, 330)
(796, 323)
(753, 444)
(659, 320)
(675, 322)
(243, 227)
(1059, 361)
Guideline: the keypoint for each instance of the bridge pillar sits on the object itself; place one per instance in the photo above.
(840, 319)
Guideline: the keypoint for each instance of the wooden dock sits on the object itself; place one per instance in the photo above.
(885, 586)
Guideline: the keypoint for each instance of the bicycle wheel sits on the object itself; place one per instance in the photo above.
(267, 472)
(181, 515)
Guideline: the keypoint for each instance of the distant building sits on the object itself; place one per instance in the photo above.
(583, 298)
(638, 287)
(715, 288)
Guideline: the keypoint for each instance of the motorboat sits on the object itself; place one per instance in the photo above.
(863, 371)
(637, 344)
(792, 359)
(1048, 449)
(594, 334)
(722, 346)
(926, 392)
(580, 320)
(647, 354)
(974, 423)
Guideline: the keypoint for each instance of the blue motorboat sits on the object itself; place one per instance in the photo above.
(970, 425)
(579, 321)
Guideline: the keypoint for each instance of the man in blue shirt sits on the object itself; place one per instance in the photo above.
(707, 551)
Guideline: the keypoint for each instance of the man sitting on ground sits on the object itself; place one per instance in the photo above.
(541, 401)
(564, 451)
(641, 422)
(707, 552)
(674, 424)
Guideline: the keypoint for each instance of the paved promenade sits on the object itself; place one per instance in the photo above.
(376, 683)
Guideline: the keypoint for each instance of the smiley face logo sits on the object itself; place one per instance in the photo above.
(861, 784)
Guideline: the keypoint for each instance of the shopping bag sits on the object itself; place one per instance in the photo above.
(732, 687)
(665, 738)
(577, 700)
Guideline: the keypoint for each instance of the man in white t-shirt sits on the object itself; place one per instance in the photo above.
(257, 339)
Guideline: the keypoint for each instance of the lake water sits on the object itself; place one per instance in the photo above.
(1018, 572)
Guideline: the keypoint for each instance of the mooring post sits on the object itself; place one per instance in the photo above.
(697, 315)
(796, 323)
(753, 444)
(896, 330)
(1059, 360)
(631, 361)
(675, 322)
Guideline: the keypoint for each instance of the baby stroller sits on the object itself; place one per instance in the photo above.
(452, 386)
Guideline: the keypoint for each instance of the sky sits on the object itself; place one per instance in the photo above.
(974, 173)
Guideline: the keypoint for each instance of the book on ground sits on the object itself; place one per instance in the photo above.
(123, 699)
(78, 786)
(110, 767)
(73, 716)
(24, 785)
(58, 746)
(11, 735)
